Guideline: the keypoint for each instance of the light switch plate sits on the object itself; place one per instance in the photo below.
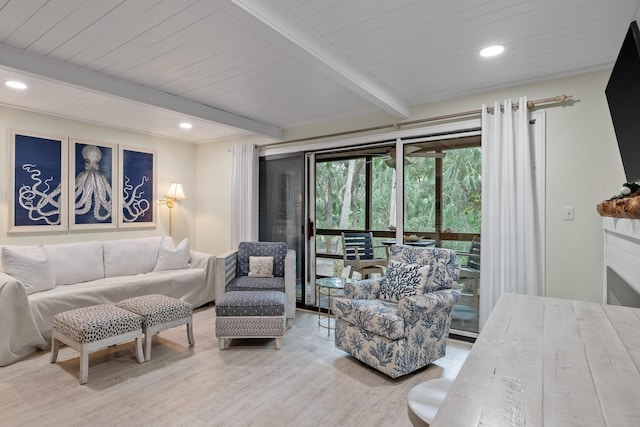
(568, 213)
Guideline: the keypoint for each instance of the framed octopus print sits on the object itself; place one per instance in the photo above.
(137, 184)
(37, 196)
(92, 176)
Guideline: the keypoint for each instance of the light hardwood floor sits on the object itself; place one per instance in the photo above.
(307, 383)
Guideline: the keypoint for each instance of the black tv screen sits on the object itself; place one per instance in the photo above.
(623, 97)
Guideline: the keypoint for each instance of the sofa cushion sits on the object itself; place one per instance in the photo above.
(403, 280)
(278, 250)
(170, 257)
(31, 266)
(246, 283)
(251, 303)
(375, 316)
(130, 256)
(76, 262)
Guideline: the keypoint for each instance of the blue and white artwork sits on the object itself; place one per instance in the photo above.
(38, 182)
(137, 188)
(93, 184)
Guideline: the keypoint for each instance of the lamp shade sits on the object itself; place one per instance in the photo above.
(175, 192)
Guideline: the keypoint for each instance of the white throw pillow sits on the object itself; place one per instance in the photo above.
(76, 262)
(172, 258)
(130, 256)
(260, 266)
(30, 265)
(403, 280)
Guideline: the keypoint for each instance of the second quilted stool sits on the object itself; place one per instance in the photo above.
(160, 312)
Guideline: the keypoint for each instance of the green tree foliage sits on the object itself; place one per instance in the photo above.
(461, 191)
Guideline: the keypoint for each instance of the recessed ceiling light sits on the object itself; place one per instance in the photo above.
(14, 84)
(490, 51)
(185, 125)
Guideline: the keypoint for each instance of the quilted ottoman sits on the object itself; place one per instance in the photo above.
(160, 312)
(95, 327)
(250, 314)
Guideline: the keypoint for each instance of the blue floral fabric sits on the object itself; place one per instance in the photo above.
(278, 250)
(397, 339)
(401, 337)
(364, 289)
(403, 280)
(375, 316)
(444, 271)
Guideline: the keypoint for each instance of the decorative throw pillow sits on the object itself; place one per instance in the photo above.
(172, 258)
(260, 266)
(30, 265)
(403, 280)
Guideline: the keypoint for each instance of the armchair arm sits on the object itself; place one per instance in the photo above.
(290, 283)
(418, 306)
(363, 289)
(225, 271)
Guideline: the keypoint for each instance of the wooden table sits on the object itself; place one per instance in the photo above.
(549, 362)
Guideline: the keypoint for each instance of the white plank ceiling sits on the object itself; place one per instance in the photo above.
(241, 67)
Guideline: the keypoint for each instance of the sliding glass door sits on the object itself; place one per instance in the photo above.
(282, 207)
(442, 198)
(355, 190)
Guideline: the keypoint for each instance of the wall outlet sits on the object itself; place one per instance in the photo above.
(568, 213)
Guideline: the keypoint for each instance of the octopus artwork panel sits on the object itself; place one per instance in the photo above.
(93, 171)
(38, 183)
(137, 188)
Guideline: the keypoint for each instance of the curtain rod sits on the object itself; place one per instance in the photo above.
(530, 104)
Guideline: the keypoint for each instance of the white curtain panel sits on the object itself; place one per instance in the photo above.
(244, 194)
(511, 234)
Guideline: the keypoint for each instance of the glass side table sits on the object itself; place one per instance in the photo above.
(324, 287)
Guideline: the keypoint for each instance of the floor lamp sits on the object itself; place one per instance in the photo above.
(175, 193)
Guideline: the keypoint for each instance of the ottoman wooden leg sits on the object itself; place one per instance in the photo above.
(190, 332)
(148, 338)
(278, 343)
(84, 364)
(139, 353)
(55, 345)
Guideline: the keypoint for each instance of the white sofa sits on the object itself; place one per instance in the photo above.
(37, 282)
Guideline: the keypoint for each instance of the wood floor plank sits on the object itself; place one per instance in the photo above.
(308, 383)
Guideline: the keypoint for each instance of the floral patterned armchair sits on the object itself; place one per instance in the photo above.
(398, 336)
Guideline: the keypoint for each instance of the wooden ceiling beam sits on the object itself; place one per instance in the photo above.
(42, 66)
(282, 29)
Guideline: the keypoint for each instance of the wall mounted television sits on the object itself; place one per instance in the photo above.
(623, 97)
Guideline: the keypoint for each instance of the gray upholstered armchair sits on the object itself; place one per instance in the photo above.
(232, 271)
(399, 335)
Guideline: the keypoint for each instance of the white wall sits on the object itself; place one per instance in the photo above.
(213, 164)
(174, 162)
(583, 167)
